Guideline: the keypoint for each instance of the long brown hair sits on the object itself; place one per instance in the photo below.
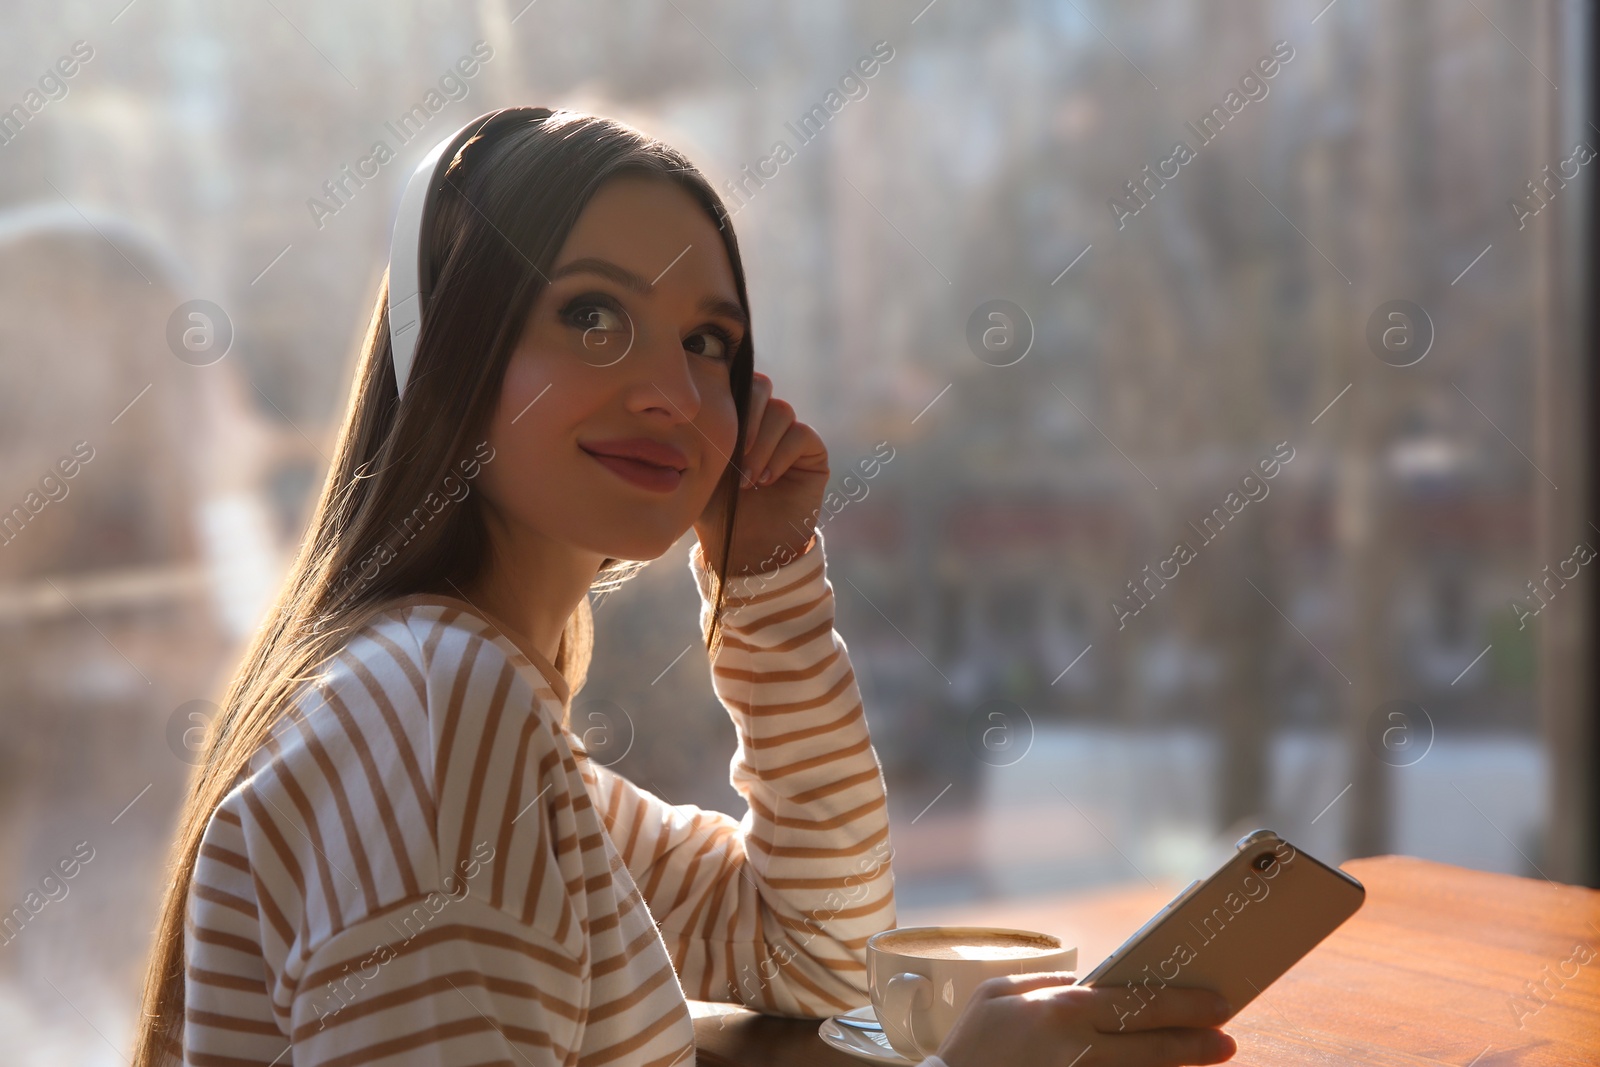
(508, 202)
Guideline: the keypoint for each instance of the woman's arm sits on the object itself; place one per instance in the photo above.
(772, 911)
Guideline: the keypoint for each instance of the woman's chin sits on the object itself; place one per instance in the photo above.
(640, 548)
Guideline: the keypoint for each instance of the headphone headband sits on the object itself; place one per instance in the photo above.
(409, 250)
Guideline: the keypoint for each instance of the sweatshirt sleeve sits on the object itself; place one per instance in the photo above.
(773, 910)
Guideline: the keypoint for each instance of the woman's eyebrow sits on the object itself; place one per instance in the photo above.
(629, 280)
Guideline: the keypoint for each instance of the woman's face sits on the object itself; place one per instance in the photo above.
(616, 418)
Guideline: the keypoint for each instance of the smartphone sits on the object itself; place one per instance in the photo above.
(1235, 932)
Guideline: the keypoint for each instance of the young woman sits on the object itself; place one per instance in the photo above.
(396, 851)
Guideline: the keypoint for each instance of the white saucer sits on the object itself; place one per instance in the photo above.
(860, 1044)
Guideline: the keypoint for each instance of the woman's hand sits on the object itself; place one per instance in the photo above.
(783, 470)
(1034, 1020)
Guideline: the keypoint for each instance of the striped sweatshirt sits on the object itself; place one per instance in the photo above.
(423, 865)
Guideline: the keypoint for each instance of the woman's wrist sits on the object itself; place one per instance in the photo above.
(746, 558)
(777, 576)
(780, 555)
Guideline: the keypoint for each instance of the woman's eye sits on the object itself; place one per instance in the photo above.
(591, 314)
(711, 343)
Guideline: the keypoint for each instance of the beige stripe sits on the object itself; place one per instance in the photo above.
(639, 1040)
(212, 895)
(800, 674)
(313, 833)
(434, 1035)
(825, 914)
(431, 643)
(797, 976)
(223, 939)
(640, 809)
(662, 844)
(798, 611)
(488, 741)
(719, 892)
(402, 741)
(686, 923)
(596, 884)
(714, 843)
(224, 981)
(843, 852)
(728, 972)
(212, 1059)
(341, 795)
(494, 630)
(820, 730)
(794, 822)
(275, 916)
(856, 944)
(733, 601)
(452, 931)
(702, 902)
(773, 773)
(599, 924)
(452, 715)
(630, 951)
(440, 985)
(839, 786)
(536, 878)
(286, 857)
(567, 913)
(225, 856)
(514, 803)
(845, 681)
(397, 656)
(238, 1024)
(606, 1009)
(613, 805)
(728, 934)
(829, 883)
(797, 641)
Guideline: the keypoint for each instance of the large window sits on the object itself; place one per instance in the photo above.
(1228, 361)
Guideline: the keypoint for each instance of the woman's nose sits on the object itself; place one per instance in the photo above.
(660, 378)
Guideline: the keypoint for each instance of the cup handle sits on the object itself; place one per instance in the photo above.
(900, 994)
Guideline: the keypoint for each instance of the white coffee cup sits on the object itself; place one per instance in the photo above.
(917, 997)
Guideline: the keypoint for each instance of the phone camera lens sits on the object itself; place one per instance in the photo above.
(1264, 861)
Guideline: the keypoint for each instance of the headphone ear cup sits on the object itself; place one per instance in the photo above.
(410, 259)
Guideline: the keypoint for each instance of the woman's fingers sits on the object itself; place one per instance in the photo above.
(1120, 1011)
(1166, 1025)
(1164, 1048)
(775, 422)
(760, 396)
(800, 447)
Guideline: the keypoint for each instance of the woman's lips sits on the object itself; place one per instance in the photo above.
(655, 477)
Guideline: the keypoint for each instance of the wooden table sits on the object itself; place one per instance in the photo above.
(1434, 969)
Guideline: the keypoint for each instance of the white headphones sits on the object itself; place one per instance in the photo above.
(408, 250)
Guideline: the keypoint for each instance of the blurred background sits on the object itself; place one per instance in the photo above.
(1366, 272)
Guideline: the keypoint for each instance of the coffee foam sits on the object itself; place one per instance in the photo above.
(969, 946)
